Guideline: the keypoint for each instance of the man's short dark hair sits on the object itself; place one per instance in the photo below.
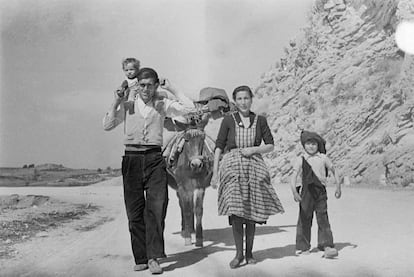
(147, 73)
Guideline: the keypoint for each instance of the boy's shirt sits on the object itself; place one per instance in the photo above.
(318, 162)
(133, 88)
(132, 82)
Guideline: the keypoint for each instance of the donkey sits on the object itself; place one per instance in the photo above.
(190, 176)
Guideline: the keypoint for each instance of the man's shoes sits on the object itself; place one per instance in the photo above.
(140, 267)
(154, 266)
(236, 262)
(330, 253)
(302, 252)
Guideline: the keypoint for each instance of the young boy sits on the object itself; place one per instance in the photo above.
(313, 167)
(130, 66)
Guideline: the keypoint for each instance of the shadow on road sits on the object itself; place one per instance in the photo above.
(341, 245)
(222, 240)
(274, 253)
(214, 237)
(225, 235)
(289, 250)
(193, 256)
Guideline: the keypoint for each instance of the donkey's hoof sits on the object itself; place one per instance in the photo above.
(187, 241)
(199, 243)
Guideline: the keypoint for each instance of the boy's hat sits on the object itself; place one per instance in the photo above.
(307, 135)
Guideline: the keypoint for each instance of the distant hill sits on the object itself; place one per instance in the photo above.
(50, 166)
(347, 80)
(54, 175)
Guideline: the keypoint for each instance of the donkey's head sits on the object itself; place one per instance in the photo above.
(194, 150)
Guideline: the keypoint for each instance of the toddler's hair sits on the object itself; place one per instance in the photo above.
(134, 61)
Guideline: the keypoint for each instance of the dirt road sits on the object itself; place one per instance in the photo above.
(373, 231)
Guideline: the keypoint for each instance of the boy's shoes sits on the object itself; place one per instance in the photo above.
(236, 262)
(330, 253)
(302, 252)
(139, 267)
(154, 266)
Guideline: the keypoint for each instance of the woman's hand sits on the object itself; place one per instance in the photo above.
(338, 193)
(248, 152)
(214, 180)
(296, 196)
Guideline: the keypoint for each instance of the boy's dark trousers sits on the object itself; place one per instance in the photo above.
(146, 213)
(314, 198)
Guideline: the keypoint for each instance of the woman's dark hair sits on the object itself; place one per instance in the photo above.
(242, 88)
(147, 73)
(134, 61)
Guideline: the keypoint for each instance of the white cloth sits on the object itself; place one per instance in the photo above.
(132, 82)
(318, 162)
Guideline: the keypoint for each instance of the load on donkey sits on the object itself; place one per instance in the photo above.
(190, 156)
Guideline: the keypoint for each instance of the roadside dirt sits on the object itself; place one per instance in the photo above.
(23, 217)
(372, 231)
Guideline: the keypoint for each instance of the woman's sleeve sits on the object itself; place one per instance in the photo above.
(222, 134)
(266, 133)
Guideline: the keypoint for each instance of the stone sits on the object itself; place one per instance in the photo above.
(42, 234)
(358, 85)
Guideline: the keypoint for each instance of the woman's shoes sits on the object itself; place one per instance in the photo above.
(251, 260)
(236, 262)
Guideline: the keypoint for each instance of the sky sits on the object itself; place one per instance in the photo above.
(61, 61)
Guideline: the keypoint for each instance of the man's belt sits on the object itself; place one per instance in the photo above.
(141, 149)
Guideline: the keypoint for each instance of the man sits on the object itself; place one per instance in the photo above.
(143, 167)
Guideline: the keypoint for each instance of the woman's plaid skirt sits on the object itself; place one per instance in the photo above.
(245, 188)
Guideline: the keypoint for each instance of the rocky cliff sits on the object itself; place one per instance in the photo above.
(346, 79)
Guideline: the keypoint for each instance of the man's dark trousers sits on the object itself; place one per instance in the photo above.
(314, 198)
(146, 199)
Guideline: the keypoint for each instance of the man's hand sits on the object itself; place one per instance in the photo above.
(296, 196)
(165, 84)
(117, 98)
(338, 193)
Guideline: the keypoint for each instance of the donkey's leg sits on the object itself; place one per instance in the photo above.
(180, 202)
(187, 211)
(199, 198)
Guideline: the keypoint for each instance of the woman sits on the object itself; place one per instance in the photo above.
(245, 194)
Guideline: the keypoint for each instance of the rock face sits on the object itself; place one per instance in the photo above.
(347, 80)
